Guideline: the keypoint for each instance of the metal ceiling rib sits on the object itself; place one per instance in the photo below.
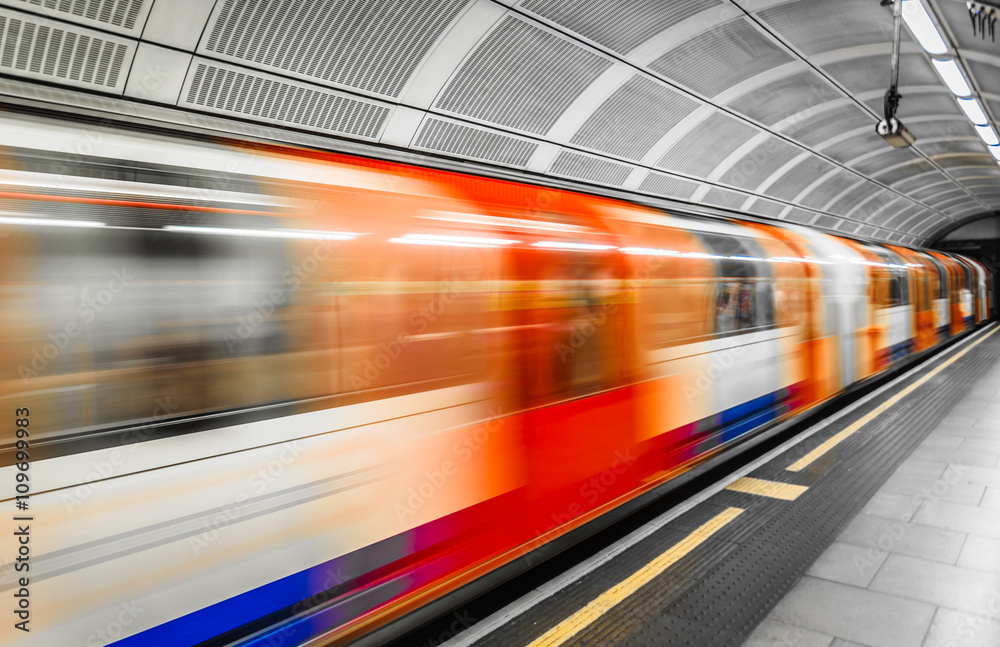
(761, 106)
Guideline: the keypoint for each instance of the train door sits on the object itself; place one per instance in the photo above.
(920, 273)
(572, 311)
(980, 290)
(833, 293)
(955, 275)
(941, 311)
(898, 306)
(760, 323)
(967, 291)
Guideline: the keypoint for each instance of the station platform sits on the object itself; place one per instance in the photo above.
(878, 527)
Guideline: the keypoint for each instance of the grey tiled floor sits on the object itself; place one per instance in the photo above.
(920, 566)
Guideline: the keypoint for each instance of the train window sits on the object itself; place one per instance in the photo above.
(574, 326)
(897, 290)
(140, 319)
(941, 275)
(744, 295)
(899, 277)
(742, 306)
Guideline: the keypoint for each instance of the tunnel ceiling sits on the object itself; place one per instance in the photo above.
(762, 106)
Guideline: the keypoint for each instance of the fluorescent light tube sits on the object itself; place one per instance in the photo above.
(923, 28)
(988, 134)
(952, 76)
(974, 111)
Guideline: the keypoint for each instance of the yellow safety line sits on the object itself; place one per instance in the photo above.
(808, 459)
(618, 593)
(773, 489)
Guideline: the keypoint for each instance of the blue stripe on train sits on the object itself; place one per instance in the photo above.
(900, 350)
(244, 608)
(232, 613)
(744, 417)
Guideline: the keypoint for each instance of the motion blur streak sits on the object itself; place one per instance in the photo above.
(295, 427)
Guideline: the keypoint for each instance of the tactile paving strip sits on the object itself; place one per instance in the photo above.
(717, 594)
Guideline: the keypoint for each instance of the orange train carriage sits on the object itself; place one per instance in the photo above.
(322, 390)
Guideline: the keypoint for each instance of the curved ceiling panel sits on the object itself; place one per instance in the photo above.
(761, 106)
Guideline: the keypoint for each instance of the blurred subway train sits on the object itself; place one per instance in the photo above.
(282, 395)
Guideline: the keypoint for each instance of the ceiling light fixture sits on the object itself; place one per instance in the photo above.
(952, 76)
(923, 28)
(974, 111)
(988, 135)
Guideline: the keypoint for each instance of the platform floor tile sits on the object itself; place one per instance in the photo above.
(920, 565)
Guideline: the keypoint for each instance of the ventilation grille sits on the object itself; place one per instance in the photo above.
(966, 159)
(801, 216)
(875, 207)
(521, 77)
(792, 95)
(372, 45)
(41, 49)
(935, 191)
(127, 16)
(868, 73)
(840, 24)
(725, 199)
(701, 151)
(798, 178)
(475, 143)
(933, 149)
(915, 168)
(828, 124)
(902, 213)
(592, 169)
(914, 183)
(885, 158)
(619, 25)
(233, 92)
(633, 118)
(720, 58)
(669, 186)
(854, 196)
(821, 195)
(942, 129)
(852, 148)
(949, 201)
(760, 164)
(767, 208)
